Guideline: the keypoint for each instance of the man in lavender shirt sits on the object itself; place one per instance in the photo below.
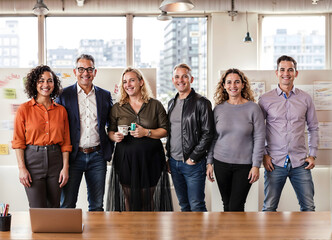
(287, 111)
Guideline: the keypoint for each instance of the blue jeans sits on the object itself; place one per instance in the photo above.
(301, 181)
(189, 184)
(94, 167)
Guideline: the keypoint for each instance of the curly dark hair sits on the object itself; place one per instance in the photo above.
(221, 95)
(34, 75)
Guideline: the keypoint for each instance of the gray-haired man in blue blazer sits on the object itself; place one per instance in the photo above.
(88, 108)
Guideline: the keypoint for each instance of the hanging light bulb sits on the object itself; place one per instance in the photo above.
(164, 17)
(247, 38)
(40, 8)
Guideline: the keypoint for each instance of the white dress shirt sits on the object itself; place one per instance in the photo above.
(87, 105)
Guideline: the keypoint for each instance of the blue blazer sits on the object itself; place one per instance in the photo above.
(69, 100)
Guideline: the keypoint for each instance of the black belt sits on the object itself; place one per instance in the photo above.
(46, 147)
(89, 150)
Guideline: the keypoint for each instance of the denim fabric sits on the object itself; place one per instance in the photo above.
(189, 184)
(94, 167)
(301, 181)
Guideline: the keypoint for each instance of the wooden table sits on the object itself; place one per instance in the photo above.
(177, 225)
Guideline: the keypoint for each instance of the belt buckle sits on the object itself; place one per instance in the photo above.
(90, 149)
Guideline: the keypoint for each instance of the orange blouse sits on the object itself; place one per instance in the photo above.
(34, 125)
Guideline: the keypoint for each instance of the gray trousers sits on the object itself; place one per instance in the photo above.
(44, 164)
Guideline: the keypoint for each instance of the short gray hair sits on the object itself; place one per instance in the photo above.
(85, 56)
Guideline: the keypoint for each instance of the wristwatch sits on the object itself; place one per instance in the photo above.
(149, 133)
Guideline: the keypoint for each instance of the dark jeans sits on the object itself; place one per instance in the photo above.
(94, 168)
(233, 184)
(44, 164)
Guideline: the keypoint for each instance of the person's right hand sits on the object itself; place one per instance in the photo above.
(25, 177)
(189, 162)
(267, 162)
(209, 172)
(118, 137)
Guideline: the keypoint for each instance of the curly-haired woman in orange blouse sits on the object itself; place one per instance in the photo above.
(41, 140)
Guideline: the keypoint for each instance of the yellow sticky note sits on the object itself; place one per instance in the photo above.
(66, 75)
(9, 93)
(4, 150)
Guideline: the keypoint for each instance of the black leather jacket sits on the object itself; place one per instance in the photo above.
(197, 126)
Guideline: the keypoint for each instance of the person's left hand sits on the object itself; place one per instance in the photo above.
(253, 175)
(311, 162)
(63, 177)
(139, 132)
(168, 167)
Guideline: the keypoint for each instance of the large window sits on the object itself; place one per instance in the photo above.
(18, 42)
(164, 44)
(302, 37)
(102, 37)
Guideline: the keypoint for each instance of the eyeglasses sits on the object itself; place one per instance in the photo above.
(82, 69)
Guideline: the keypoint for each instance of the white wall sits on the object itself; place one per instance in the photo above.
(226, 46)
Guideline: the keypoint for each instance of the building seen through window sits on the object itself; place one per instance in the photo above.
(166, 44)
(18, 42)
(302, 37)
(68, 37)
(157, 44)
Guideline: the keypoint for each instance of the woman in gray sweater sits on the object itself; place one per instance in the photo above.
(238, 146)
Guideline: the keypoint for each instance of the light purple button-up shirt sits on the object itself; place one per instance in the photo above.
(285, 124)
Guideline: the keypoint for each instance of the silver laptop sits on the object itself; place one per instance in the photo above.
(56, 220)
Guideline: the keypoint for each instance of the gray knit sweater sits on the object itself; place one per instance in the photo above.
(240, 134)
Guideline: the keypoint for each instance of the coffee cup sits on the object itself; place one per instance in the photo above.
(123, 129)
(133, 126)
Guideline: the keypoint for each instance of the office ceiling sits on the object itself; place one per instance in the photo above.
(57, 7)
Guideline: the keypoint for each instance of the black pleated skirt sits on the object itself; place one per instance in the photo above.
(139, 164)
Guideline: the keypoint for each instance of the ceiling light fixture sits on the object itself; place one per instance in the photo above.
(314, 2)
(164, 17)
(80, 3)
(176, 5)
(40, 8)
(247, 38)
(232, 13)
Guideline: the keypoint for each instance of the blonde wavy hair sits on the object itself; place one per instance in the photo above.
(145, 89)
(221, 94)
